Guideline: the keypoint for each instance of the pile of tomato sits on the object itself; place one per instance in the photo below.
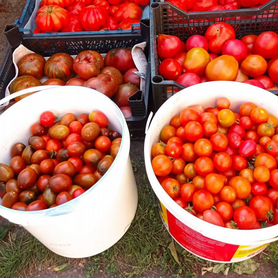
(114, 75)
(221, 165)
(215, 5)
(218, 55)
(63, 158)
(88, 15)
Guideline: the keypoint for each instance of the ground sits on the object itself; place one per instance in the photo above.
(145, 250)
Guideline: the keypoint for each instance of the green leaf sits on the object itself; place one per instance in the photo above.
(174, 252)
(4, 231)
(61, 267)
(246, 267)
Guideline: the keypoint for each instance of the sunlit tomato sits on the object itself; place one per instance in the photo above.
(214, 217)
(178, 166)
(261, 174)
(264, 140)
(254, 65)
(188, 154)
(167, 132)
(234, 140)
(171, 186)
(245, 218)
(249, 41)
(248, 174)
(266, 45)
(158, 148)
(187, 115)
(169, 46)
(241, 185)
(273, 181)
(162, 165)
(273, 70)
(222, 161)
(53, 145)
(196, 60)
(224, 67)
(219, 142)
(235, 48)
(189, 170)
(262, 206)
(175, 139)
(193, 131)
(252, 135)
(203, 165)
(199, 182)
(225, 210)
(217, 34)
(228, 194)
(173, 149)
(196, 41)
(170, 69)
(239, 163)
(203, 147)
(265, 129)
(223, 103)
(188, 79)
(175, 121)
(259, 188)
(180, 58)
(209, 128)
(186, 192)
(265, 159)
(202, 200)
(75, 127)
(47, 119)
(214, 182)
(246, 108)
(259, 115)
(226, 117)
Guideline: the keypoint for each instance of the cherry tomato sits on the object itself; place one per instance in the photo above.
(265, 159)
(226, 117)
(263, 208)
(239, 130)
(246, 122)
(203, 165)
(273, 196)
(261, 174)
(248, 174)
(247, 148)
(213, 217)
(245, 218)
(202, 200)
(173, 149)
(222, 161)
(259, 115)
(209, 128)
(162, 165)
(219, 142)
(193, 131)
(178, 166)
(103, 144)
(175, 121)
(188, 154)
(170, 69)
(259, 188)
(228, 194)
(171, 186)
(246, 108)
(272, 148)
(241, 185)
(273, 181)
(214, 182)
(47, 119)
(203, 147)
(238, 203)
(187, 115)
(189, 170)
(186, 192)
(167, 132)
(235, 140)
(225, 210)
(199, 182)
(158, 148)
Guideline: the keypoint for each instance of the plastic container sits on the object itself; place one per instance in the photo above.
(139, 103)
(205, 240)
(96, 220)
(167, 19)
(25, 27)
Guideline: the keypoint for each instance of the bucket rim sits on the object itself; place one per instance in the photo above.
(212, 89)
(123, 151)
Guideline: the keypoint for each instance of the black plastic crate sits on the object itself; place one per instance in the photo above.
(168, 19)
(16, 32)
(139, 103)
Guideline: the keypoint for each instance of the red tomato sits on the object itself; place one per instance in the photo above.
(61, 3)
(189, 79)
(187, 191)
(128, 11)
(73, 25)
(202, 200)
(47, 119)
(188, 154)
(180, 58)
(173, 149)
(218, 34)
(259, 188)
(214, 217)
(234, 140)
(255, 82)
(187, 115)
(235, 48)
(203, 147)
(103, 144)
(273, 70)
(245, 218)
(272, 148)
(248, 148)
(262, 206)
(196, 41)
(170, 69)
(249, 40)
(245, 122)
(169, 46)
(273, 196)
(76, 8)
(266, 81)
(178, 166)
(222, 161)
(162, 165)
(214, 182)
(100, 118)
(193, 131)
(273, 181)
(225, 210)
(203, 5)
(203, 165)
(51, 18)
(219, 142)
(239, 163)
(171, 186)
(63, 197)
(266, 45)
(184, 5)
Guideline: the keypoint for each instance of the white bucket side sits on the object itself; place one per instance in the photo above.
(206, 94)
(96, 220)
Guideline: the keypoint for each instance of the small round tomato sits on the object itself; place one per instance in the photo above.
(213, 217)
(47, 119)
(265, 129)
(222, 161)
(214, 182)
(173, 149)
(188, 154)
(203, 147)
(162, 165)
(264, 140)
(187, 115)
(259, 188)
(252, 135)
(272, 120)
(246, 108)
(261, 174)
(262, 206)
(180, 202)
(171, 186)
(245, 122)
(175, 121)
(238, 203)
(158, 148)
(273, 181)
(265, 159)
(225, 210)
(203, 165)
(235, 140)
(170, 69)
(248, 174)
(259, 115)
(245, 218)
(226, 117)
(247, 148)
(103, 144)
(223, 103)
(75, 127)
(228, 194)
(273, 196)
(242, 186)
(178, 166)
(199, 182)
(63, 197)
(167, 132)
(209, 128)
(272, 148)
(189, 170)
(193, 131)
(219, 142)
(273, 70)
(202, 200)
(186, 192)
(208, 117)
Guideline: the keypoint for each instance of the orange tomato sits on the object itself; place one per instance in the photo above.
(254, 65)
(241, 77)
(196, 60)
(224, 67)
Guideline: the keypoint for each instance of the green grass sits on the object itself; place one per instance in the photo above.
(145, 250)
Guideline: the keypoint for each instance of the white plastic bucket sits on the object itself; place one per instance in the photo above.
(201, 238)
(98, 218)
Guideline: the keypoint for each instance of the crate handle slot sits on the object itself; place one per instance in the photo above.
(157, 79)
(148, 123)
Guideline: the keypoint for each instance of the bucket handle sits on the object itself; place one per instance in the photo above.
(267, 241)
(25, 92)
(148, 123)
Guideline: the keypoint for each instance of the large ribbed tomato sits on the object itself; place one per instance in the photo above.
(128, 11)
(61, 3)
(93, 18)
(51, 18)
